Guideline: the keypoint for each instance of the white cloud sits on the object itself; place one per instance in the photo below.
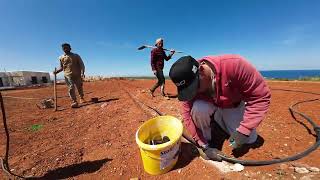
(295, 34)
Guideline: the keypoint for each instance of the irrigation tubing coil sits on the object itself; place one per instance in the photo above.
(5, 164)
(316, 128)
(300, 155)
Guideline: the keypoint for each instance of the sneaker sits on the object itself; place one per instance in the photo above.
(151, 93)
(74, 105)
(166, 97)
(82, 100)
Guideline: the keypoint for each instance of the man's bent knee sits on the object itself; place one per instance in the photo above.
(200, 108)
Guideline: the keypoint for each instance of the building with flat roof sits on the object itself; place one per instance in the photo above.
(23, 78)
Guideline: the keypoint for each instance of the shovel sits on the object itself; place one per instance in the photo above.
(148, 46)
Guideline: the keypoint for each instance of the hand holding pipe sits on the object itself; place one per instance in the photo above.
(272, 161)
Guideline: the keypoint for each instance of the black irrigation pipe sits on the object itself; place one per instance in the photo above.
(5, 161)
(316, 128)
(6, 168)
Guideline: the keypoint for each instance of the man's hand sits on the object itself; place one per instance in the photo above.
(212, 154)
(237, 140)
(172, 51)
(56, 71)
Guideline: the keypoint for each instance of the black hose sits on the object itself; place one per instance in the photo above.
(316, 128)
(5, 161)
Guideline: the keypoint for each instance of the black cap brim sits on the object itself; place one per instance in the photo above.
(188, 93)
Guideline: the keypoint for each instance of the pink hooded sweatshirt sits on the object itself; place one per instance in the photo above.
(236, 80)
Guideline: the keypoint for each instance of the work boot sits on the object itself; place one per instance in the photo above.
(74, 105)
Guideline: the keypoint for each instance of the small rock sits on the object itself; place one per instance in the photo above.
(134, 178)
(308, 177)
(237, 167)
(301, 170)
(179, 171)
(285, 144)
(314, 169)
(270, 175)
(104, 105)
(284, 166)
(12, 170)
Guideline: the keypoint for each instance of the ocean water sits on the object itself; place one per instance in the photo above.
(290, 74)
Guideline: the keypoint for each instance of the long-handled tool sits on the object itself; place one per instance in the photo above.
(152, 47)
(55, 90)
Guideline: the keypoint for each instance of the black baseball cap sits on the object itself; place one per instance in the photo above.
(185, 75)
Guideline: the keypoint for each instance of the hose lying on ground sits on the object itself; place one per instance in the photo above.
(5, 161)
(316, 128)
(6, 168)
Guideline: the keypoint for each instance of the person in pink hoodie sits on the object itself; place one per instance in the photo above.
(225, 90)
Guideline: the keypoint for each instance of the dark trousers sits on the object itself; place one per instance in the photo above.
(160, 82)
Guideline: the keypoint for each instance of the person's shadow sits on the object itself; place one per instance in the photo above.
(99, 101)
(187, 153)
(74, 170)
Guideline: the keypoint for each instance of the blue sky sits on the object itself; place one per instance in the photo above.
(271, 34)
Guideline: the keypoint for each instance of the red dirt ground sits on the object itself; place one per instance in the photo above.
(97, 141)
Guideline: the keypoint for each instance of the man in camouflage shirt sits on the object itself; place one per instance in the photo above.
(72, 66)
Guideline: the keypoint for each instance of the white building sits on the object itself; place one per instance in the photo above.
(23, 78)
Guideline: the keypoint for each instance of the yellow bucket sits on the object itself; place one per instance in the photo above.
(160, 158)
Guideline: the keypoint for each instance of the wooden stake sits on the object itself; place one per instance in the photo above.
(5, 160)
(55, 90)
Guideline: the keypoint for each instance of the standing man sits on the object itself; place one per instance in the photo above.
(72, 66)
(157, 63)
(224, 90)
